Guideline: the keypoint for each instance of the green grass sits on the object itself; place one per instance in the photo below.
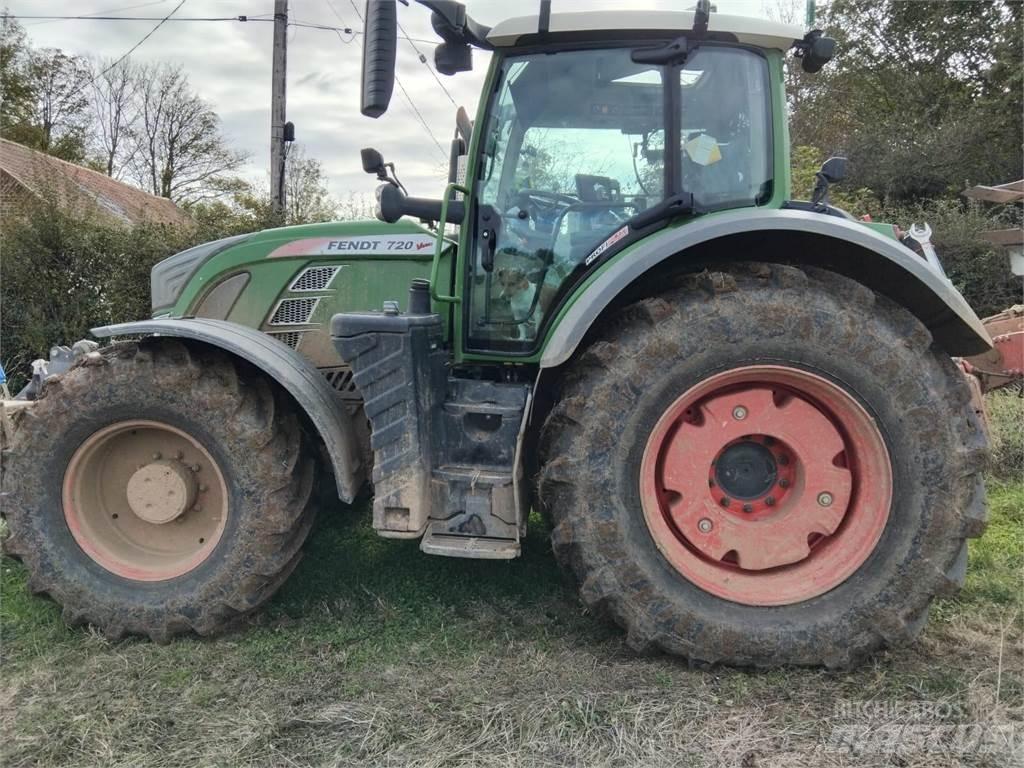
(375, 654)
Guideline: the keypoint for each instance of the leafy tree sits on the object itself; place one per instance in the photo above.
(923, 97)
(42, 104)
(15, 90)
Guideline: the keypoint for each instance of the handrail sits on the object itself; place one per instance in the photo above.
(439, 246)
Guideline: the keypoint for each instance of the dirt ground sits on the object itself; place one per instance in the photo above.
(375, 654)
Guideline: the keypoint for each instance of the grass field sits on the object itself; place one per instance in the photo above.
(374, 654)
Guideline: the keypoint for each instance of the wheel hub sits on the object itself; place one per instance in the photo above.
(746, 470)
(766, 484)
(145, 500)
(161, 491)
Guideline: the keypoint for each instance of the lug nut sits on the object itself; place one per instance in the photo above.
(194, 467)
(739, 413)
(156, 456)
(179, 455)
(783, 459)
(711, 482)
(724, 501)
(748, 508)
(704, 525)
(770, 501)
(825, 499)
(783, 483)
(202, 488)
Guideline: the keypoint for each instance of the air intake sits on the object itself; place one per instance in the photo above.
(313, 279)
(294, 311)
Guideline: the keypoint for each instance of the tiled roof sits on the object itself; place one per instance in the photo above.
(44, 175)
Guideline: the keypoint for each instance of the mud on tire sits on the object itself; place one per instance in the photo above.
(245, 423)
(652, 351)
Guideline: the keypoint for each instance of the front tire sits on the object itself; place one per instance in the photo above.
(764, 466)
(158, 488)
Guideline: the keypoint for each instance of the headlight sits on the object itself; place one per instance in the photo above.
(168, 278)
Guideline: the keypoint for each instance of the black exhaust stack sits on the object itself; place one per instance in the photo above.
(380, 43)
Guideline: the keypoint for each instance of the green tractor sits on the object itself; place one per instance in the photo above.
(738, 412)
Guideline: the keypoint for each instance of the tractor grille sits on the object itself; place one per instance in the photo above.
(291, 338)
(341, 380)
(313, 279)
(294, 311)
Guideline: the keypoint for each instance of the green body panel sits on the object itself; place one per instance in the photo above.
(365, 280)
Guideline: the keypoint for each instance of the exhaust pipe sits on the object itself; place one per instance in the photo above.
(380, 43)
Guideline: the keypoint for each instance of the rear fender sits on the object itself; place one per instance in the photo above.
(796, 237)
(307, 386)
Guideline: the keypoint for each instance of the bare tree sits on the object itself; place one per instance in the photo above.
(179, 151)
(114, 92)
(306, 187)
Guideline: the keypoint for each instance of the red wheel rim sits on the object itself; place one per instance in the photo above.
(766, 485)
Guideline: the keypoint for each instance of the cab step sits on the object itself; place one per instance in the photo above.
(469, 546)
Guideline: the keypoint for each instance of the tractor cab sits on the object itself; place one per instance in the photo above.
(598, 130)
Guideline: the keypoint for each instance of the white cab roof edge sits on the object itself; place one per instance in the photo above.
(762, 33)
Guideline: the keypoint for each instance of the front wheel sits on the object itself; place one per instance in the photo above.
(157, 489)
(764, 466)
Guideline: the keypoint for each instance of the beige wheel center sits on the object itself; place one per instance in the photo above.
(145, 500)
(161, 491)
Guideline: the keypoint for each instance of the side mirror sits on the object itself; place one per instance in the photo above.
(817, 51)
(373, 162)
(380, 44)
(450, 58)
(834, 169)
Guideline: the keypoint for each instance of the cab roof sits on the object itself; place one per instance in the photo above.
(750, 31)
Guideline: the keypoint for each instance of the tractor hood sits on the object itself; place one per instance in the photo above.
(182, 283)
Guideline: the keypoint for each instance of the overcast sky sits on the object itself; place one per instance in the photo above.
(228, 63)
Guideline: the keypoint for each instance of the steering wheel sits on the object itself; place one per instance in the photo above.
(543, 204)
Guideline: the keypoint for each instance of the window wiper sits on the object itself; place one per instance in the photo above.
(677, 205)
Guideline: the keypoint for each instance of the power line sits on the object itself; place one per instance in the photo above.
(112, 10)
(132, 50)
(142, 18)
(240, 18)
(408, 98)
(423, 61)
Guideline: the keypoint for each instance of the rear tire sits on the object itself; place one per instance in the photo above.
(821, 328)
(100, 549)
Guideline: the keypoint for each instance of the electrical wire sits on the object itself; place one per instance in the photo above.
(109, 10)
(423, 61)
(408, 98)
(135, 47)
(412, 41)
(242, 18)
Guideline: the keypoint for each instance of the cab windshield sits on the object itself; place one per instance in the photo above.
(575, 145)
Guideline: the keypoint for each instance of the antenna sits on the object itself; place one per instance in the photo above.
(544, 17)
(701, 13)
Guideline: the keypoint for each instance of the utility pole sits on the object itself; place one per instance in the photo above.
(277, 110)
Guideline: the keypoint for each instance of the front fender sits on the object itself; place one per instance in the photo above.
(288, 368)
(847, 247)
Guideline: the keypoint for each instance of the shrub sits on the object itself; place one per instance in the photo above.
(1006, 430)
(64, 273)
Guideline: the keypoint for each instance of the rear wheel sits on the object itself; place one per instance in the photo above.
(765, 466)
(158, 489)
